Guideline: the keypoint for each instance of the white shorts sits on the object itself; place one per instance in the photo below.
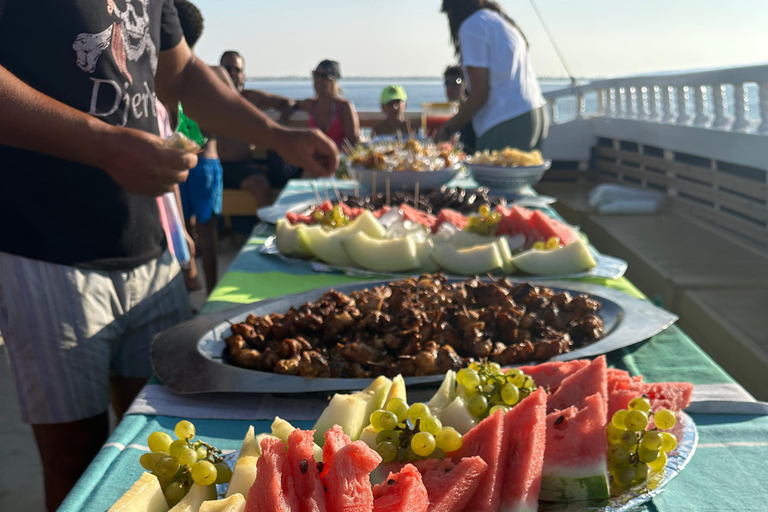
(69, 330)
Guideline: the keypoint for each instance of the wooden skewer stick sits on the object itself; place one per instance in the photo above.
(387, 182)
(416, 196)
(348, 145)
(373, 186)
(317, 193)
(336, 191)
(325, 189)
(354, 178)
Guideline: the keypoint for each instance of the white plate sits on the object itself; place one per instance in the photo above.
(507, 178)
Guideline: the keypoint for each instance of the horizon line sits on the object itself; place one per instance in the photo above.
(404, 77)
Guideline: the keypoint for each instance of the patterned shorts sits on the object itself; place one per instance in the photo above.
(69, 330)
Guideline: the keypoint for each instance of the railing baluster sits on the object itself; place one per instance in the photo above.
(640, 103)
(740, 108)
(699, 97)
(682, 96)
(627, 103)
(653, 104)
(552, 107)
(601, 102)
(613, 102)
(763, 92)
(667, 101)
(721, 119)
(581, 105)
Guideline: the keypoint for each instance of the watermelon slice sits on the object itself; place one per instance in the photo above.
(575, 458)
(621, 389)
(451, 216)
(347, 482)
(575, 388)
(304, 478)
(524, 441)
(414, 215)
(450, 485)
(486, 441)
(296, 218)
(674, 396)
(518, 220)
(401, 492)
(270, 491)
(549, 227)
(381, 211)
(335, 440)
(550, 375)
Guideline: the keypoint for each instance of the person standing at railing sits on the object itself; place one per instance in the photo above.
(504, 102)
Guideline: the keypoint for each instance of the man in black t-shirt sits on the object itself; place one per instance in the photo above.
(85, 276)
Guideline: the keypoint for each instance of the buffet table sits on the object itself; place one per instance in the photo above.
(727, 472)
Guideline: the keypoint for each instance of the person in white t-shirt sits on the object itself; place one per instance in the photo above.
(504, 104)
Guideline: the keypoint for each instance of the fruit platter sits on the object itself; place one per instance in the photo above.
(559, 436)
(387, 241)
(339, 338)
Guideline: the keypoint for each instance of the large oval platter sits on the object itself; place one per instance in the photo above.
(189, 358)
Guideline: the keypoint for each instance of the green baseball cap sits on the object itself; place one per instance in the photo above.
(393, 92)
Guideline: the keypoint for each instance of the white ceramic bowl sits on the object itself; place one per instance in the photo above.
(508, 178)
(405, 180)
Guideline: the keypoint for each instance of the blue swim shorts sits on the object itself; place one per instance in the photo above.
(201, 193)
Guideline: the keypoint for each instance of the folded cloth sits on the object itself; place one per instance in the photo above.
(724, 399)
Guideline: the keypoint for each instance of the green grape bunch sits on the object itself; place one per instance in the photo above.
(181, 462)
(634, 450)
(408, 433)
(488, 388)
(333, 218)
(485, 222)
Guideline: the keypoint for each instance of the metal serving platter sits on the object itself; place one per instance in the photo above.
(189, 357)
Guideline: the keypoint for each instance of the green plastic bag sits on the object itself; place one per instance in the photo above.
(190, 129)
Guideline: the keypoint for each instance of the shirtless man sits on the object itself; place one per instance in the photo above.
(393, 100)
(240, 170)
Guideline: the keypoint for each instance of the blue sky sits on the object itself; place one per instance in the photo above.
(410, 37)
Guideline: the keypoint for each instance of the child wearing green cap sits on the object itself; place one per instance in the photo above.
(393, 99)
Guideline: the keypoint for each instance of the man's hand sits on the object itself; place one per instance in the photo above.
(140, 163)
(309, 149)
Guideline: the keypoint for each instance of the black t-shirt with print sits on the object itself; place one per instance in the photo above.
(100, 57)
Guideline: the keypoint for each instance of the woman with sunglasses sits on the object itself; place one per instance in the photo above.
(504, 101)
(328, 111)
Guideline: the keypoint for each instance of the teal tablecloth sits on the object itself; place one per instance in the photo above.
(727, 473)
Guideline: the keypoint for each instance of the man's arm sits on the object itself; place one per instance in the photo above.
(182, 77)
(134, 159)
(265, 101)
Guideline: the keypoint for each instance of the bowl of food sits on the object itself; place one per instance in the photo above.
(404, 164)
(507, 169)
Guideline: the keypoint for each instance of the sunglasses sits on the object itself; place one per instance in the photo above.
(452, 82)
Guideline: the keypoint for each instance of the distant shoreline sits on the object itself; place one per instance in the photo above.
(381, 78)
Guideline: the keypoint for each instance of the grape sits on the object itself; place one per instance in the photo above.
(493, 219)
(516, 377)
(552, 243)
(423, 444)
(410, 455)
(618, 419)
(166, 466)
(618, 454)
(538, 246)
(668, 442)
(202, 452)
(614, 434)
(623, 475)
(176, 447)
(154, 457)
(401, 454)
(144, 461)
(488, 389)
(223, 473)
(174, 493)
(418, 411)
(510, 394)
(159, 442)
(484, 210)
(388, 420)
(318, 215)
(187, 456)
(448, 440)
(203, 472)
(641, 472)
(376, 420)
(432, 425)
(438, 454)
(659, 463)
(477, 405)
(646, 455)
(503, 408)
(388, 436)
(640, 404)
(468, 378)
(399, 407)
(474, 365)
(495, 368)
(651, 441)
(185, 430)
(387, 451)
(665, 419)
(628, 439)
(636, 420)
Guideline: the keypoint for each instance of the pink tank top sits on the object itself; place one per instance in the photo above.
(335, 131)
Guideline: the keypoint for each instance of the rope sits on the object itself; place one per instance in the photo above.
(574, 83)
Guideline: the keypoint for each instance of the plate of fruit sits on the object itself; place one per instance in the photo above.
(338, 338)
(560, 436)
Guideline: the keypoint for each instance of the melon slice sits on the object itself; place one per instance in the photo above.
(347, 478)
(565, 260)
(464, 239)
(288, 241)
(550, 375)
(486, 441)
(268, 492)
(364, 223)
(145, 495)
(347, 411)
(424, 250)
(575, 457)
(575, 388)
(480, 259)
(234, 503)
(457, 415)
(245, 466)
(451, 486)
(445, 394)
(375, 394)
(388, 255)
(401, 492)
(397, 390)
(282, 429)
(302, 470)
(507, 267)
(524, 440)
(195, 497)
(325, 245)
